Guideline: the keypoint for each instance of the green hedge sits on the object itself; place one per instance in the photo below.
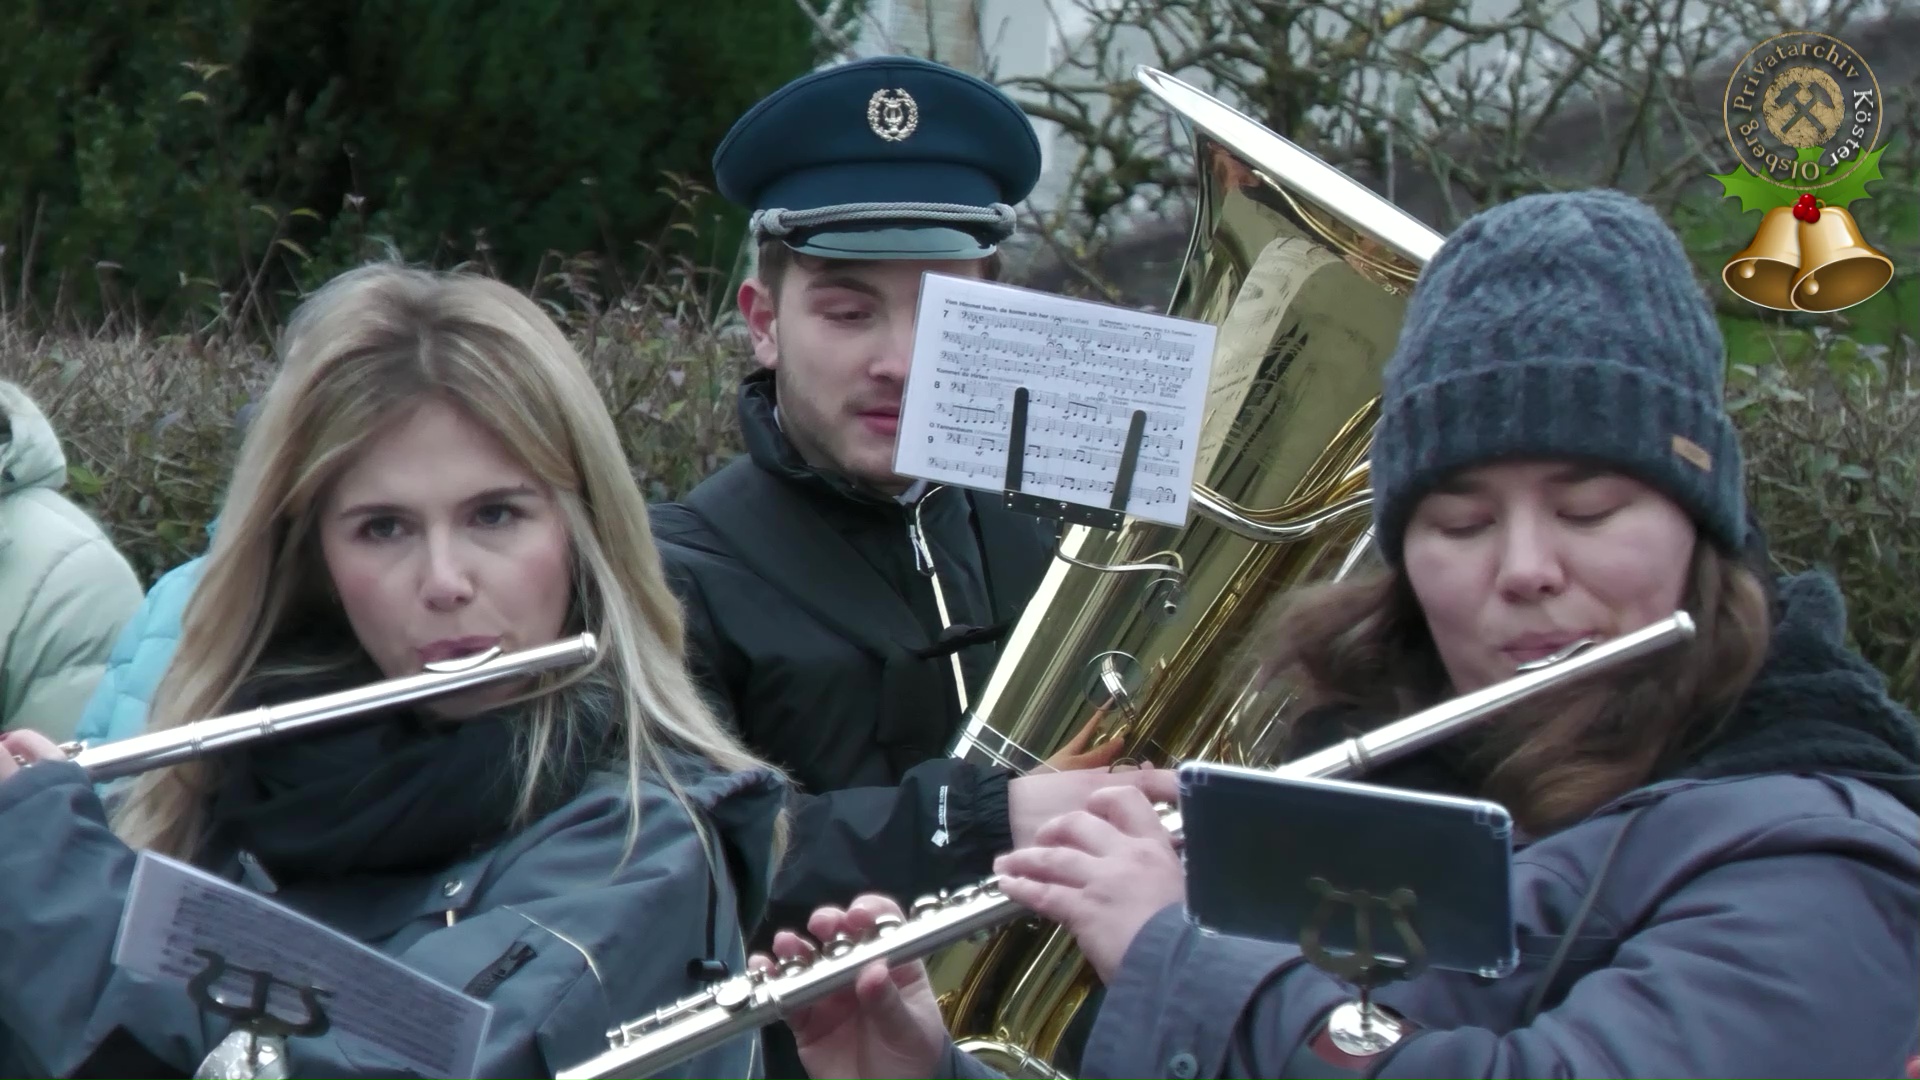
(243, 147)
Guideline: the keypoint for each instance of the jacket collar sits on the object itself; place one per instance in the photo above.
(1817, 706)
(767, 444)
(741, 806)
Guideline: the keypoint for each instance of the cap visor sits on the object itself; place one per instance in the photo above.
(931, 242)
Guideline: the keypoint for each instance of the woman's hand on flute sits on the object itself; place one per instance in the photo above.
(23, 748)
(1101, 872)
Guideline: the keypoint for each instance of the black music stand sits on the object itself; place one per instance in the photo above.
(263, 1032)
(1361, 1027)
(1067, 513)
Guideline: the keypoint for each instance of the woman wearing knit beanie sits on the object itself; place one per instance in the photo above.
(1717, 871)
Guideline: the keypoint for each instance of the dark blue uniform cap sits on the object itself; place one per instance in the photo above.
(891, 157)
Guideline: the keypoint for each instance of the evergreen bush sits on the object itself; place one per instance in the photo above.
(216, 154)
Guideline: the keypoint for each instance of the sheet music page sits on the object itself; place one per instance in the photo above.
(174, 908)
(1086, 367)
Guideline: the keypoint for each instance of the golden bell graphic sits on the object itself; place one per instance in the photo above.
(1766, 271)
(1838, 268)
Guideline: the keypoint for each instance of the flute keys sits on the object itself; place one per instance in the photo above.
(887, 924)
(794, 965)
(734, 993)
(840, 945)
(925, 905)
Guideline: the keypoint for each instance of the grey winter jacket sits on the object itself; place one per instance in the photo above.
(563, 940)
(1754, 913)
(1767, 926)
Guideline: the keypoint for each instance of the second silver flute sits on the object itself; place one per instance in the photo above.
(750, 1001)
(171, 746)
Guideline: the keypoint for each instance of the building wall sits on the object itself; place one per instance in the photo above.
(943, 30)
(994, 39)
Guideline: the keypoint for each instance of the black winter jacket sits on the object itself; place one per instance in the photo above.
(815, 634)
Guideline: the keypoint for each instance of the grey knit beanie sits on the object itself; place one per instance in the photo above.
(1560, 326)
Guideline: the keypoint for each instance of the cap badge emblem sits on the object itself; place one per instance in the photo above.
(892, 114)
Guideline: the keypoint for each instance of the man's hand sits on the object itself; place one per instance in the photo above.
(21, 748)
(886, 1024)
(1101, 872)
(1037, 798)
(1075, 754)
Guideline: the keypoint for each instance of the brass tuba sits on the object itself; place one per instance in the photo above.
(1135, 631)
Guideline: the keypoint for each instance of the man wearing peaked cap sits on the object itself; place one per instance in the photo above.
(888, 158)
(832, 606)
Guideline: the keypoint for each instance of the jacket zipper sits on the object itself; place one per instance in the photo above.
(515, 958)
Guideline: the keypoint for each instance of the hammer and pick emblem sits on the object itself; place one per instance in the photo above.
(1804, 106)
(1804, 97)
(892, 114)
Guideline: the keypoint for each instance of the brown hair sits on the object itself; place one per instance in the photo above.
(774, 258)
(1556, 757)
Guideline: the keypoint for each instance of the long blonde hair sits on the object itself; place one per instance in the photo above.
(364, 351)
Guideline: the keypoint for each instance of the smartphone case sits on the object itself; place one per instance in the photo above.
(1273, 858)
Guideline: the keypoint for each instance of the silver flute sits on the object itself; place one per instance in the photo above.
(172, 746)
(753, 999)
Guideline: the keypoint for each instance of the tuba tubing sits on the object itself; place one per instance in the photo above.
(752, 1000)
(173, 746)
(1129, 635)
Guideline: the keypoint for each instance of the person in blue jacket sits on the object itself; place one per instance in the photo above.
(1718, 853)
(432, 475)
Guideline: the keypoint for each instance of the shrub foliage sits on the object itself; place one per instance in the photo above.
(1832, 435)
(1832, 432)
(240, 147)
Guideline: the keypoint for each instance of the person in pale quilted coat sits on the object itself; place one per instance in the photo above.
(65, 591)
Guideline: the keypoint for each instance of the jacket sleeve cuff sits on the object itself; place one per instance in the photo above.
(1181, 997)
(39, 777)
(983, 827)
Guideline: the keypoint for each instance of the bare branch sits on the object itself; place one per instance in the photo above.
(823, 25)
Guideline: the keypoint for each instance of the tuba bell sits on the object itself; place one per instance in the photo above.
(1134, 632)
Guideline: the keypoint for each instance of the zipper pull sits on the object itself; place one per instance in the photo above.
(255, 874)
(922, 554)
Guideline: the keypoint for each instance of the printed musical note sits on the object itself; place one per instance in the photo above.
(1087, 369)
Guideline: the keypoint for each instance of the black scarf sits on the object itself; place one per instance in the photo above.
(401, 792)
(1816, 705)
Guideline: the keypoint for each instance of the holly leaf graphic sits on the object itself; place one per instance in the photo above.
(1853, 185)
(1754, 192)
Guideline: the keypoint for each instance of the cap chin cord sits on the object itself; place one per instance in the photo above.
(998, 220)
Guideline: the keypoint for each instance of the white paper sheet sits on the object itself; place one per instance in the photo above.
(173, 908)
(1086, 368)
